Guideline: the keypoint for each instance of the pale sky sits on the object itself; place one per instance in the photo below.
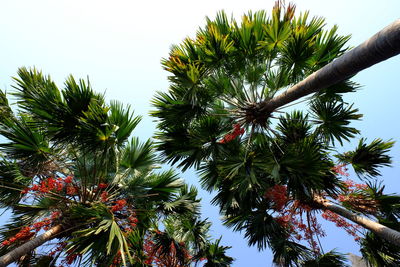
(119, 45)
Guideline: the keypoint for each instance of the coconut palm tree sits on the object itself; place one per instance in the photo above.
(268, 169)
(70, 173)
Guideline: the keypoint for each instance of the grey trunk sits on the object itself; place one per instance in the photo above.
(381, 46)
(385, 232)
(20, 251)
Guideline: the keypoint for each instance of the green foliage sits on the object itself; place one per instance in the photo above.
(367, 158)
(330, 259)
(335, 117)
(294, 128)
(216, 255)
(12, 182)
(69, 160)
(379, 252)
(335, 92)
(5, 110)
(27, 144)
(224, 79)
(102, 241)
(289, 253)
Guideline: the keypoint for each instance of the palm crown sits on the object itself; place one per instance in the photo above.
(70, 168)
(269, 171)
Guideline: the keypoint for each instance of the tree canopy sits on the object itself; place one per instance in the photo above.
(70, 172)
(274, 171)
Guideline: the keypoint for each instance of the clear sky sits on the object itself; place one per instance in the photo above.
(119, 45)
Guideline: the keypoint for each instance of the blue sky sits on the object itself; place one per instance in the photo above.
(119, 44)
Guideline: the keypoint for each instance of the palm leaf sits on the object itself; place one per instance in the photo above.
(367, 158)
(329, 259)
(5, 110)
(334, 118)
(124, 120)
(29, 145)
(12, 182)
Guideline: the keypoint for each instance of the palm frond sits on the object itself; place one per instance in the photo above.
(329, 259)
(28, 145)
(184, 202)
(163, 186)
(367, 158)
(288, 253)
(294, 127)
(334, 92)
(137, 158)
(334, 119)
(5, 110)
(102, 241)
(12, 182)
(123, 120)
(215, 254)
(379, 252)
(38, 95)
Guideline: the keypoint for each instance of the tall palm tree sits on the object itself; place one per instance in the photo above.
(282, 53)
(213, 118)
(381, 46)
(70, 172)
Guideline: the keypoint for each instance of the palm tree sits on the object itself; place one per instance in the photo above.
(70, 172)
(213, 118)
(185, 241)
(381, 46)
(278, 53)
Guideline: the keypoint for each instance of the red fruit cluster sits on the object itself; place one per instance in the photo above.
(237, 130)
(354, 195)
(340, 170)
(68, 179)
(55, 215)
(148, 248)
(71, 190)
(119, 205)
(117, 260)
(351, 186)
(70, 258)
(59, 248)
(26, 232)
(42, 224)
(49, 185)
(133, 221)
(23, 234)
(292, 218)
(283, 220)
(104, 196)
(278, 195)
(102, 186)
(351, 229)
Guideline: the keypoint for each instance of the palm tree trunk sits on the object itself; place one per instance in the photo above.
(20, 251)
(381, 46)
(381, 230)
